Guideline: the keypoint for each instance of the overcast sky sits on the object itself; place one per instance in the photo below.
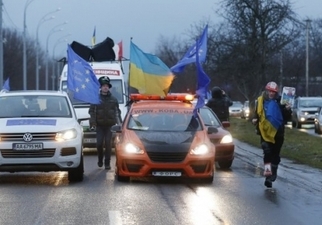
(144, 20)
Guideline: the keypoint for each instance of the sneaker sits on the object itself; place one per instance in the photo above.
(267, 170)
(268, 183)
(107, 167)
(100, 164)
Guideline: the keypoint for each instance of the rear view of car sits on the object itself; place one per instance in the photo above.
(236, 109)
(160, 137)
(222, 139)
(39, 132)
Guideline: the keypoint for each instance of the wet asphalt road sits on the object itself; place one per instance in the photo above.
(237, 196)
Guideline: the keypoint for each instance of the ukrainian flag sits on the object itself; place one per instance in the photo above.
(148, 74)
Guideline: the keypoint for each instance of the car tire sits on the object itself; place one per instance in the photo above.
(298, 124)
(121, 178)
(225, 164)
(318, 130)
(293, 124)
(77, 174)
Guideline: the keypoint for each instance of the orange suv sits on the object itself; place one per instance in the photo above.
(161, 137)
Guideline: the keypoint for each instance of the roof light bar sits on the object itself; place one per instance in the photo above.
(171, 97)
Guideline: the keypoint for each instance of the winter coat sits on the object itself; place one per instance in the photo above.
(219, 103)
(105, 114)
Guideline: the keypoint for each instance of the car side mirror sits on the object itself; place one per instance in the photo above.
(212, 130)
(225, 124)
(82, 119)
(116, 128)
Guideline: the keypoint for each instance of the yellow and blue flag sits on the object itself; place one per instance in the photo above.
(81, 79)
(94, 37)
(197, 50)
(148, 74)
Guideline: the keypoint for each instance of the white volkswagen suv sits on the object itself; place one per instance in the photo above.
(39, 131)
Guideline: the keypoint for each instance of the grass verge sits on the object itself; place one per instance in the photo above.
(298, 146)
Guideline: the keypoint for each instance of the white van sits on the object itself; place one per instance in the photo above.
(112, 69)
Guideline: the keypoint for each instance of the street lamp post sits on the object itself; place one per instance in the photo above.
(59, 41)
(51, 32)
(41, 21)
(24, 51)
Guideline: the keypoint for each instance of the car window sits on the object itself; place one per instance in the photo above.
(305, 103)
(34, 106)
(208, 117)
(164, 122)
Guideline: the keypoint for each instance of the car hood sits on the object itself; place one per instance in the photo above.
(166, 137)
(8, 125)
(219, 135)
(309, 109)
(235, 107)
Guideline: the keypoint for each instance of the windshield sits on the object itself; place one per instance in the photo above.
(237, 104)
(306, 103)
(34, 106)
(116, 90)
(209, 117)
(178, 122)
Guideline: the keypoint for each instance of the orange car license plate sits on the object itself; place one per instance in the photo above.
(166, 174)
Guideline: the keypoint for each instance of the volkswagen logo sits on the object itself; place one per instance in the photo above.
(27, 137)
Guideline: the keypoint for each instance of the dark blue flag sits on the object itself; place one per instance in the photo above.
(191, 56)
(81, 79)
(202, 86)
(6, 85)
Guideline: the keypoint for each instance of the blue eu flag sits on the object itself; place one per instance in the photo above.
(81, 79)
(191, 56)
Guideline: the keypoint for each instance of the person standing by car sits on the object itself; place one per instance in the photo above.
(219, 103)
(102, 117)
(270, 118)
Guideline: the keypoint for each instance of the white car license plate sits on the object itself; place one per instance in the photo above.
(166, 174)
(27, 146)
(89, 140)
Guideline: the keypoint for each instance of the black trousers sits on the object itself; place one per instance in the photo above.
(103, 140)
(272, 150)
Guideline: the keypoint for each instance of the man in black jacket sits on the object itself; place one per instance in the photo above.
(219, 103)
(102, 117)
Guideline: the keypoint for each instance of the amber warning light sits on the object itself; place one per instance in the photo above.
(172, 97)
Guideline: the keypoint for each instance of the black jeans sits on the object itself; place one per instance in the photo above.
(272, 150)
(103, 140)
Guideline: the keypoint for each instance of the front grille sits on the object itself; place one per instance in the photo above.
(167, 156)
(36, 136)
(134, 168)
(68, 151)
(215, 140)
(199, 168)
(45, 153)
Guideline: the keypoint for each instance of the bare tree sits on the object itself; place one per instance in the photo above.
(257, 30)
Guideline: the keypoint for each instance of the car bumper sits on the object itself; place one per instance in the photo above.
(55, 156)
(224, 152)
(89, 140)
(235, 114)
(142, 166)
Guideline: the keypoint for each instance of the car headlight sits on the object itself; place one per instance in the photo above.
(226, 139)
(66, 135)
(200, 150)
(247, 111)
(132, 149)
